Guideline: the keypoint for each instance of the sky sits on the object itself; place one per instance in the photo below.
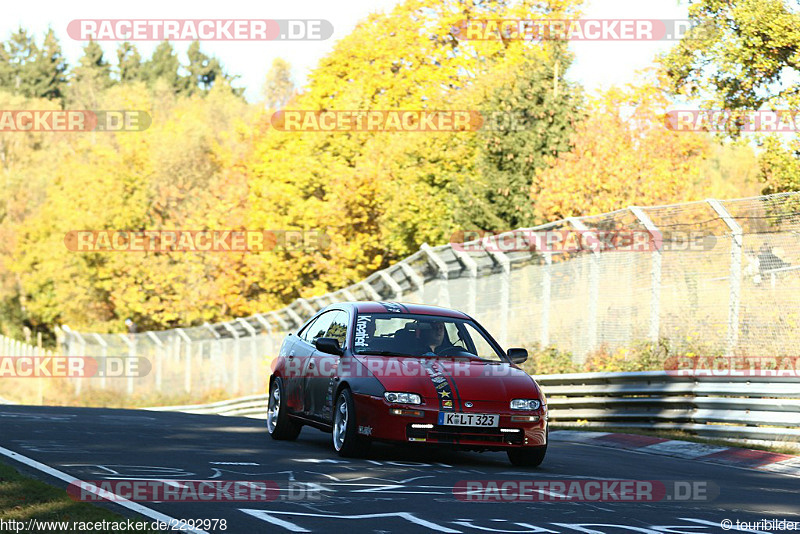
(598, 64)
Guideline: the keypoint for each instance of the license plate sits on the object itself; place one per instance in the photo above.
(468, 419)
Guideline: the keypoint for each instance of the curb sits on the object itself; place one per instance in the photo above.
(784, 464)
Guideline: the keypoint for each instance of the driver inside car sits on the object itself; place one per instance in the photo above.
(435, 338)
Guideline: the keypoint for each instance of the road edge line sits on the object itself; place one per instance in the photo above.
(69, 479)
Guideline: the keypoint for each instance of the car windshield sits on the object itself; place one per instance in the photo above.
(386, 334)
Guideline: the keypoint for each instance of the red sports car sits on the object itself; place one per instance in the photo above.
(406, 373)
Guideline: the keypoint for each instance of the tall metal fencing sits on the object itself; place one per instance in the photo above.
(723, 273)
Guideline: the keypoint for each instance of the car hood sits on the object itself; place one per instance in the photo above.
(474, 380)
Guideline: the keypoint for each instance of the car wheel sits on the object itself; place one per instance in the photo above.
(346, 440)
(528, 456)
(279, 425)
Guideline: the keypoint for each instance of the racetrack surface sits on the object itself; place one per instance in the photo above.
(394, 489)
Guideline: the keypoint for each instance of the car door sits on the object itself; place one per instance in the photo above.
(305, 361)
(297, 360)
(323, 367)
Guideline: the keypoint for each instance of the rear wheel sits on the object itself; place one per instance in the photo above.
(528, 456)
(346, 440)
(279, 425)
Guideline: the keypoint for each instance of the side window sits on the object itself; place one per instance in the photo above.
(338, 327)
(304, 335)
(318, 327)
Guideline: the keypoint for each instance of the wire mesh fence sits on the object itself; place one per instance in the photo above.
(726, 273)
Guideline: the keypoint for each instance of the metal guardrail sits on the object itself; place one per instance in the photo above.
(745, 408)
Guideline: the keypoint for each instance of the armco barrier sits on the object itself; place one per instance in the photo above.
(744, 408)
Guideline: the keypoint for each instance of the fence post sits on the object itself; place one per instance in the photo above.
(272, 353)
(369, 290)
(443, 275)
(387, 278)
(253, 354)
(594, 288)
(505, 284)
(159, 353)
(78, 382)
(471, 267)
(655, 282)
(187, 379)
(415, 278)
(236, 355)
(544, 339)
(735, 276)
(131, 354)
(104, 346)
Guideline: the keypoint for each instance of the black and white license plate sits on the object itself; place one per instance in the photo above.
(468, 419)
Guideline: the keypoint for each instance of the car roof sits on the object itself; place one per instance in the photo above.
(401, 308)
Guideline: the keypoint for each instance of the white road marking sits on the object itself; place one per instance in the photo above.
(69, 479)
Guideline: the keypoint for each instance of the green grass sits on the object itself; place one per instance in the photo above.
(23, 498)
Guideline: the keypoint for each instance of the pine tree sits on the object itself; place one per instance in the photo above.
(49, 68)
(129, 63)
(203, 69)
(164, 65)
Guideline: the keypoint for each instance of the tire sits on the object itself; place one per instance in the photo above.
(528, 456)
(346, 440)
(279, 425)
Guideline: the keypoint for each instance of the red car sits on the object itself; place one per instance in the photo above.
(406, 373)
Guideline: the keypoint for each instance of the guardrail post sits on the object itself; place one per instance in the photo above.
(594, 288)
(736, 273)
(655, 281)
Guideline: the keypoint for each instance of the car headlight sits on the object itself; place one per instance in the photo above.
(402, 398)
(526, 404)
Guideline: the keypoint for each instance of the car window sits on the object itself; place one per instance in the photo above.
(338, 328)
(307, 330)
(474, 343)
(320, 327)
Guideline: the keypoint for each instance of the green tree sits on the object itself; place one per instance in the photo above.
(90, 78)
(164, 65)
(129, 63)
(49, 78)
(531, 117)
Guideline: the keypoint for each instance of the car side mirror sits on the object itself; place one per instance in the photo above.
(328, 345)
(518, 355)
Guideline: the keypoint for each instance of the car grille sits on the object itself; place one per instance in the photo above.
(455, 434)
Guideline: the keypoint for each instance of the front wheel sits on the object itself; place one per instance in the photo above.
(528, 456)
(346, 440)
(279, 425)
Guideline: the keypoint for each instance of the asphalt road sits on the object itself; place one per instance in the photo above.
(392, 490)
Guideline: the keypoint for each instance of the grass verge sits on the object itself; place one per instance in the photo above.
(23, 498)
